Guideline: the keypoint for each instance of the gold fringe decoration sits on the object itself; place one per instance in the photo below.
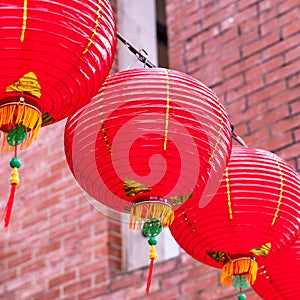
(143, 211)
(20, 114)
(240, 266)
(26, 84)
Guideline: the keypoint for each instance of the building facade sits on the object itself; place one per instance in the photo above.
(59, 247)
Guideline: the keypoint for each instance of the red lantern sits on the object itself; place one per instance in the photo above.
(54, 58)
(253, 216)
(279, 279)
(151, 139)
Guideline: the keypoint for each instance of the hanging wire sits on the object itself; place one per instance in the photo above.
(142, 56)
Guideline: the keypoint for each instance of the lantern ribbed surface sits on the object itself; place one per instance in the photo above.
(149, 134)
(255, 212)
(67, 47)
(280, 278)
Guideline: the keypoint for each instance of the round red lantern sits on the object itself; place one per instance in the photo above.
(54, 58)
(279, 279)
(150, 136)
(253, 216)
(150, 139)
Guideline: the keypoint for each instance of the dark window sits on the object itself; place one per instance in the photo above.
(161, 33)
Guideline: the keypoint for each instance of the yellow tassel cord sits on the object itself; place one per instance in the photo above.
(152, 254)
(14, 179)
(20, 114)
(143, 211)
(14, 182)
(240, 266)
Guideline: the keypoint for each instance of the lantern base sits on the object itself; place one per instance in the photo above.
(150, 208)
(19, 109)
(245, 266)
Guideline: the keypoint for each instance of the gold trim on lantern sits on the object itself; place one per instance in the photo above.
(228, 193)
(20, 114)
(26, 84)
(240, 266)
(150, 209)
(280, 191)
(101, 117)
(24, 21)
(167, 109)
(219, 133)
(95, 29)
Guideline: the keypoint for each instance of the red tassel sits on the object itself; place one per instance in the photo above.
(149, 276)
(7, 211)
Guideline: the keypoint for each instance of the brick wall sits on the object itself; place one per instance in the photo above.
(59, 247)
(248, 53)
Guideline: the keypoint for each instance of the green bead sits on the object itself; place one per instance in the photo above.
(241, 297)
(152, 241)
(15, 162)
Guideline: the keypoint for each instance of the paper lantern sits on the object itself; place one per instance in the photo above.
(150, 139)
(253, 216)
(279, 279)
(55, 56)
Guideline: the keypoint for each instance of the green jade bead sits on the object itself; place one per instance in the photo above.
(15, 162)
(152, 241)
(241, 297)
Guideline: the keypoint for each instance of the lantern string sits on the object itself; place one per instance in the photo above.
(140, 56)
(14, 182)
(24, 21)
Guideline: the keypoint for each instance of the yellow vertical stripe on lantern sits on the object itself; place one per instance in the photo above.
(101, 116)
(24, 21)
(228, 193)
(219, 133)
(95, 29)
(280, 191)
(167, 109)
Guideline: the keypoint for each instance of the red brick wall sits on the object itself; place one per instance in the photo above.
(248, 52)
(59, 247)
